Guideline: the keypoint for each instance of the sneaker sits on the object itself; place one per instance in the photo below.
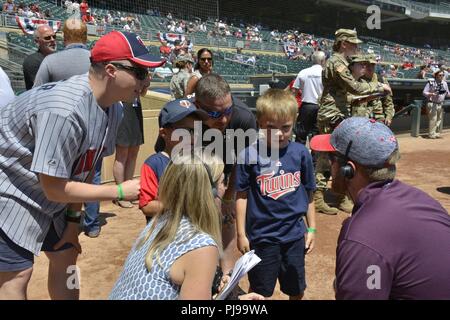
(94, 233)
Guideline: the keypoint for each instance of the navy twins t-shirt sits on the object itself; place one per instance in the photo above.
(277, 197)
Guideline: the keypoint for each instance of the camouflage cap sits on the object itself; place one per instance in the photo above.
(358, 58)
(347, 35)
(371, 58)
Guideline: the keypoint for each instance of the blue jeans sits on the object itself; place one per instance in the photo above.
(92, 209)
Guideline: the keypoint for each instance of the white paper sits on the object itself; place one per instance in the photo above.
(242, 266)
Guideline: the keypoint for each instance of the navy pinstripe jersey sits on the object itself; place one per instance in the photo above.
(57, 129)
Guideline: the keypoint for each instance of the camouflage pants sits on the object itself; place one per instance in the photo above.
(323, 169)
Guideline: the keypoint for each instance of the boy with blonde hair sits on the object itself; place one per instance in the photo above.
(274, 193)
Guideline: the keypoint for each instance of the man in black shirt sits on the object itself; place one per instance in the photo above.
(45, 38)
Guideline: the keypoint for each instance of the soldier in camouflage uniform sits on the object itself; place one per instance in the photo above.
(382, 109)
(179, 81)
(358, 108)
(334, 107)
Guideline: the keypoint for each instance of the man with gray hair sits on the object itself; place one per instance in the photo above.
(45, 38)
(395, 244)
(309, 81)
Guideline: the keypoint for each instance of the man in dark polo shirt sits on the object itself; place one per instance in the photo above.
(225, 113)
(45, 38)
(396, 244)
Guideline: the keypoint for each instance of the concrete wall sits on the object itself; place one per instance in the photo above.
(151, 106)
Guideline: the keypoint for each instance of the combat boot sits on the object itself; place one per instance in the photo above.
(344, 203)
(321, 205)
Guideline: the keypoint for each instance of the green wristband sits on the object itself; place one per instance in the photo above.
(120, 192)
(312, 230)
(73, 214)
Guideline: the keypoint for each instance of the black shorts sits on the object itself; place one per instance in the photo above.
(15, 258)
(285, 262)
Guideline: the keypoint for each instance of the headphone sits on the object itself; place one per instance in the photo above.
(347, 170)
(213, 184)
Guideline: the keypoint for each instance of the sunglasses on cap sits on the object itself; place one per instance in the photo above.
(47, 38)
(140, 73)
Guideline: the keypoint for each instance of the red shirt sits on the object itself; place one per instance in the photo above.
(298, 95)
(151, 172)
(87, 19)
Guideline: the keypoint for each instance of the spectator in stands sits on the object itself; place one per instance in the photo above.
(444, 69)
(45, 38)
(47, 14)
(88, 18)
(393, 245)
(9, 7)
(84, 7)
(309, 81)
(127, 27)
(435, 91)
(6, 91)
(179, 81)
(204, 66)
(422, 72)
(162, 72)
(392, 72)
(251, 60)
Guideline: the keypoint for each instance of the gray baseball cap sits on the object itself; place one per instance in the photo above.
(365, 141)
(176, 110)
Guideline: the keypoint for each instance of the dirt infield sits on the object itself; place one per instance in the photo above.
(425, 164)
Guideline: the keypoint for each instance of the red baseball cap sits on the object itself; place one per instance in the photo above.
(118, 45)
(322, 143)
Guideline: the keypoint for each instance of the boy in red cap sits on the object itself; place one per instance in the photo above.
(54, 135)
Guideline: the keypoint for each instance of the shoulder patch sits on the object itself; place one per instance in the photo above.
(340, 68)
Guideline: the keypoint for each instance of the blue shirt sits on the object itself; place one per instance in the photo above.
(277, 197)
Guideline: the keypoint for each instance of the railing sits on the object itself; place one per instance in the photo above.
(274, 70)
(238, 58)
(414, 109)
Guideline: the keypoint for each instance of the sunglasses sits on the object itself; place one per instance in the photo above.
(140, 73)
(47, 38)
(206, 59)
(218, 114)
